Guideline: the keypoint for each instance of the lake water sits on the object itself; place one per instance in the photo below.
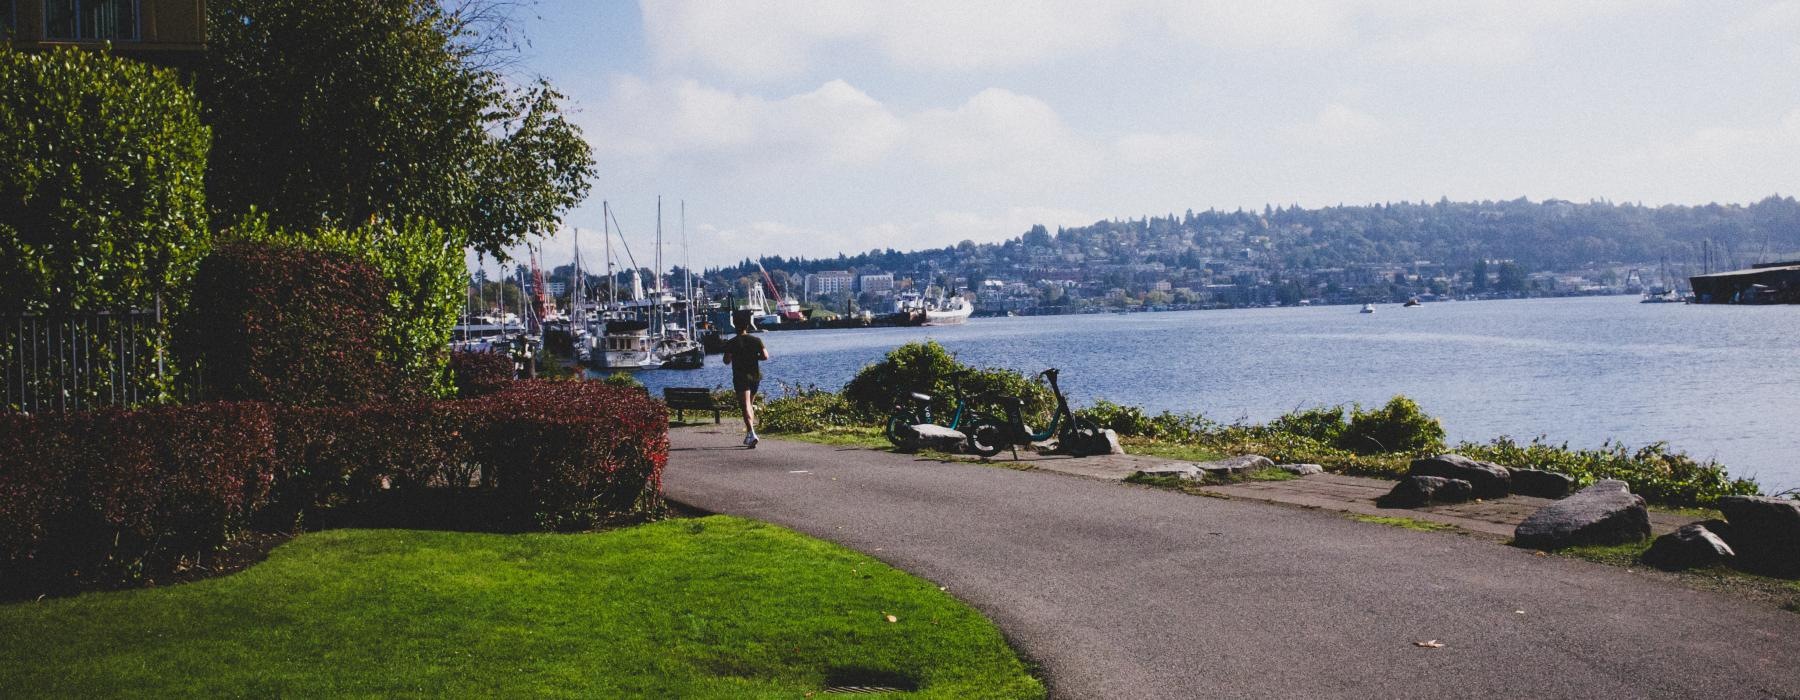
(1720, 382)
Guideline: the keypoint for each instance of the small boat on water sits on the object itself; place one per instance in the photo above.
(1368, 308)
(1411, 303)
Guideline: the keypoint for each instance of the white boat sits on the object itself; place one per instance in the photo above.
(1368, 308)
(948, 311)
(645, 330)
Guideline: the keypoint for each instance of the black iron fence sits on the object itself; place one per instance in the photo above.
(77, 361)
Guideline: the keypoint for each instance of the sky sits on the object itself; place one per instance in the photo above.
(814, 127)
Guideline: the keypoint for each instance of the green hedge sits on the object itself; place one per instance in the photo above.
(102, 163)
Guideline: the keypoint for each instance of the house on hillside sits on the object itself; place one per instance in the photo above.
(156, 31)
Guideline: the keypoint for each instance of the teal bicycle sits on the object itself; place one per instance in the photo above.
(914, 408)
(989, 434)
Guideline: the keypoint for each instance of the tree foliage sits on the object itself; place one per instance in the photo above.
(339, 112)
(101, 168)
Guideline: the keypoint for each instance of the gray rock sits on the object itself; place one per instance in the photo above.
(1603, 514)
(1692, 545)
(1112, 444)
(928, 436)
(1490, 480)
(1301, 469)
(1415, 491)
(1236, 465)
(1540, 483)
(1765, 532)
(1179, 471)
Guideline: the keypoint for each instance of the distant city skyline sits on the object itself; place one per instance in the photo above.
(814, 128)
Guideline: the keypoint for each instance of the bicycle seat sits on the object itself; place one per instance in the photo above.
(920, 397)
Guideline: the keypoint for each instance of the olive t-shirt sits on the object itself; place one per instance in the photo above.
(746, 353)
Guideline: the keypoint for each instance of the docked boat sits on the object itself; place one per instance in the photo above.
(946, 311)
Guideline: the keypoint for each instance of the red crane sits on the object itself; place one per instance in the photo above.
(540, 302)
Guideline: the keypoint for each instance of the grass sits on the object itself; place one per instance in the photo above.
(1405, 523)
(716, 607)
(1170, 450)
(842, 436)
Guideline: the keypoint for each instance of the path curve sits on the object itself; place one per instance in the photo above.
(1124, 591)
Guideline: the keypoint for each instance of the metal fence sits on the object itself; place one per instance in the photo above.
(84, 360)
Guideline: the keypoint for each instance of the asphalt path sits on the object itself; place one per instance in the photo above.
(1121, 591)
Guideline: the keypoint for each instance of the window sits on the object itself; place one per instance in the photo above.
(113, 20)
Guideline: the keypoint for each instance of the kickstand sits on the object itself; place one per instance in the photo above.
(1015, 450)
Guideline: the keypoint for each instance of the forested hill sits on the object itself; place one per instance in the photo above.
(1548, 235)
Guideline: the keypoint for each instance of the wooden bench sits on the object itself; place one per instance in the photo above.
(681, 398)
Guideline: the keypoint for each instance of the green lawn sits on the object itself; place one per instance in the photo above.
(716, 607)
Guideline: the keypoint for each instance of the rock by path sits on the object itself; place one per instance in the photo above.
(1123, 591)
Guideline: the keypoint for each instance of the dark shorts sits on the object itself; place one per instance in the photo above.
(743, 384)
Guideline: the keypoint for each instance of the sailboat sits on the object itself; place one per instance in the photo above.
(642, 331)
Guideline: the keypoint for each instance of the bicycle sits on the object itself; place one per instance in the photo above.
(914, 408)
(989, 434)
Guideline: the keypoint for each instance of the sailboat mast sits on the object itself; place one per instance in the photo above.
(687, 272)
(612, 296)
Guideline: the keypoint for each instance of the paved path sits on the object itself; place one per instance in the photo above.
(1129, 592)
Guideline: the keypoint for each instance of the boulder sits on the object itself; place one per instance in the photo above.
(929, 436)
(1301, 469)
(1490, 480)
(1603, 514)
(1109, 444)
(1415, 491)
(1540, 483)
(1765, 532)
(1179, 471)
(1236, 465)
(1692, 545)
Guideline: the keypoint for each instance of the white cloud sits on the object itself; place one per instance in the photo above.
(1733, 143)
(1337, 125)
(768, 39)
(835, 124)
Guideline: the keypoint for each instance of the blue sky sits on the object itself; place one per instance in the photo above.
(812, 128)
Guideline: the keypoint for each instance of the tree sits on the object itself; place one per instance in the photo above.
(101, 168)
(339, 112)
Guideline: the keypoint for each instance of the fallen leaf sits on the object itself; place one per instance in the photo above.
(891, 618)
(1541, 554)
(1429, 644)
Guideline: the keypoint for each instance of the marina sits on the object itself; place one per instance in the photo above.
(1715, 382)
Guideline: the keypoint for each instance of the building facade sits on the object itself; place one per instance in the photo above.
(136, 28)
(829, 282)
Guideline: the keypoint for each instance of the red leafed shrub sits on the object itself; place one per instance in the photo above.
(287, 325)
(120, 495)
(539, 454)
(569, 455)
(480, 373)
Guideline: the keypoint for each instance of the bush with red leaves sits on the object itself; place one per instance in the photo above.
(119, 496)
(480, 373)
(288, 325)
(114, 495)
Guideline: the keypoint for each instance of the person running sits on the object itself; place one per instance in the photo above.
(745, 353)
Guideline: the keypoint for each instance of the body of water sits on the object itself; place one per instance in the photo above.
(1719, 382)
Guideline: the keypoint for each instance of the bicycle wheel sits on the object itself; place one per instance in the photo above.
(987, 436)
(1080, 438)
(899, 428)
